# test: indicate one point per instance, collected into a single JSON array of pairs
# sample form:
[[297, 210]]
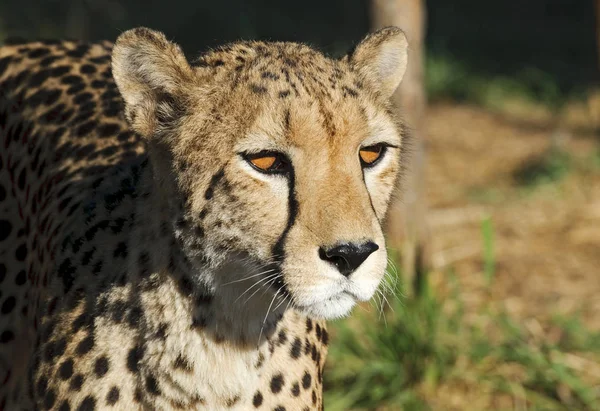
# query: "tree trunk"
[[407, 227], [598, 31]]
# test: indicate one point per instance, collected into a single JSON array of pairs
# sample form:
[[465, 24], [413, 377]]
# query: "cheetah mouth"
[[337, 306]]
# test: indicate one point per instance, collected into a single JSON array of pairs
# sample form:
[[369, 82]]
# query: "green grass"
[[426, 342]]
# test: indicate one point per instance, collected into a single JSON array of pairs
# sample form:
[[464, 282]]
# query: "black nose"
[[348, 257]]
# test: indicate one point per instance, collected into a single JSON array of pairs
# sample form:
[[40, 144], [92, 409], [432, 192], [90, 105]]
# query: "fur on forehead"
[[158, 83]]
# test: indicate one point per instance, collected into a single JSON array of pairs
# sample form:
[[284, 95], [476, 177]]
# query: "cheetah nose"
[[348, 257]]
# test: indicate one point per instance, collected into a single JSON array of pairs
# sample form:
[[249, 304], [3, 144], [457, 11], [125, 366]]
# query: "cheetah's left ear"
[[152, 75], [382, 58]]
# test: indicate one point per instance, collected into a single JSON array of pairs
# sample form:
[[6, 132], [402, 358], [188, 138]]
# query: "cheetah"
[[174, 233]]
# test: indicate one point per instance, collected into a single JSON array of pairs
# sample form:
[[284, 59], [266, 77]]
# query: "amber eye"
[[268, 161], [371, 154]]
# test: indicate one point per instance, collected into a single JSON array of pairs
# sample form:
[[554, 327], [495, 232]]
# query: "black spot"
[[51, 97], [49, 351], [42, 386], [182, 363], [325, 337], [7, 336], [277, 383], [21, 278], [87, 69], [65, 371], [284, 93], [86, 128], [282, 337], [78, 52], [67, 270], [152, 385], [185, 285], [257, 400], [22, 179], [39, 52], [138, 395], [83, 98], [318, 331], [269, 75], [134, 357], [258, 89], [85, 345], [296, 349], [349, 92], [279, 408], [59, 71], [21, 252], [296, 389], [108, 130], [97, 84], [4, 62], [232, 401], [134, 316], [76, 88], [261, 359], [38, 78], [83, 320], [76, 382], [65, 406], [72, 79], [5, 229], [314, 397], [161, 333], [113, 396], [8, 305], [306, 380], [49, 399], [88, 404], [101, 367]]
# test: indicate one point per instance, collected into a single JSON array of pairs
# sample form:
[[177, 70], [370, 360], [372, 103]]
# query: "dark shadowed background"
[[509, 315]]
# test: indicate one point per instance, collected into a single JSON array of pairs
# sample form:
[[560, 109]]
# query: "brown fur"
[[147, 264]]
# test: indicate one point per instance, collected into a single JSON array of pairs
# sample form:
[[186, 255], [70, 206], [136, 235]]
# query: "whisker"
[[262, 280], [267, 284], [250, 276], [266, 316]]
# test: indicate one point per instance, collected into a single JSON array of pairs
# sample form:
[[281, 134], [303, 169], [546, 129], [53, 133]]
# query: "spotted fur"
[[144, 262]]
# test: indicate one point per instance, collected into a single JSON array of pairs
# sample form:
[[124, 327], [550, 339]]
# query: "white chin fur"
[[336, 307]]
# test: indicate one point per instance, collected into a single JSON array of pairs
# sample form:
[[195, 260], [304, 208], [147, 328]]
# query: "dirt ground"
[[547, 237]]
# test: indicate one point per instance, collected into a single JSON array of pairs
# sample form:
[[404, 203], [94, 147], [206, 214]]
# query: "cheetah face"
[[285, 160]]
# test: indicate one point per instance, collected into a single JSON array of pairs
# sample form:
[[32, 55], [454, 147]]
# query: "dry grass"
[[528, 339], [547, 237]]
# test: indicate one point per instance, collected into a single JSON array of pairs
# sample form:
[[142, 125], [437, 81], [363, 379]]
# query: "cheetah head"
[[278, 163]]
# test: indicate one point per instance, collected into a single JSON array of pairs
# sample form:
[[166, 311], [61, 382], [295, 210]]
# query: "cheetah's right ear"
[[382, 58], [152, 75]]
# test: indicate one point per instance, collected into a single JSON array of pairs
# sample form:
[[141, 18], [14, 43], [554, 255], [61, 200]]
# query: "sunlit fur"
[[282, 97]]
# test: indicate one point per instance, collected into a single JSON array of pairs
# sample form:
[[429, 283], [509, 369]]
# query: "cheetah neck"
[[194, 331], [223, 302]]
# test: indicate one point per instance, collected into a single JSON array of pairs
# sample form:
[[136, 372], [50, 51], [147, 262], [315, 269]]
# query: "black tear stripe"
[[278, 249], [370, 198]]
